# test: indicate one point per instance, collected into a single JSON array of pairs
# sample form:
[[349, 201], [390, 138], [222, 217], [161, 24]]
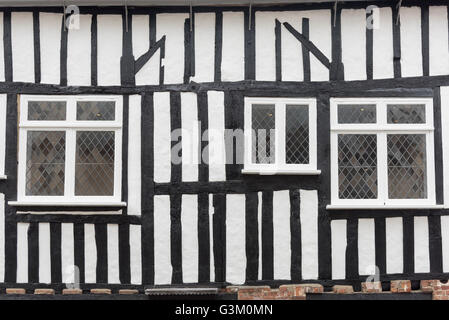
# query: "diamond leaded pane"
[[407, 166], [297, 134], [263, 125], [355, 113], [95, 110], [402, 113], [46, 110], [94, 168], [357, 166], [45, 166]]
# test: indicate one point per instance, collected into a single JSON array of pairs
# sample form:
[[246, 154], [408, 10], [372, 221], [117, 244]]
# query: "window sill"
[[65, 204], [264, 172], [3, 177], [384, 207]]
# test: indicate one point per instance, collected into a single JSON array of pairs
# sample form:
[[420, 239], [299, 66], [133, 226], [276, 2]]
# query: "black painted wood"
[[7, 45], [94, 51], [380, 244], [176, 238], [78, 231], [101, 240], [295, 231], [147, 189], [408, 229], [11, 189], [369, 44], [352, 256], [63, 53], [219, 237], [37, 47], [218, 45], [33, 253], [305, 52], [435, 245], [204, 238], [55, 249], [425, 39], [278, 49], [396, 42], [252, 236], [267, 236], [438, 147]]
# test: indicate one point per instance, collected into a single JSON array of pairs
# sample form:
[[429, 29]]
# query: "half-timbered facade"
[[355, 181]]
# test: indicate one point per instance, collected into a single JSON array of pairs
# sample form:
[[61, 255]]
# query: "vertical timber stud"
[[396, 40], [278, 49], [124, 248], [203, 198], [63, 54], [324, 228], [336, 68], [37, 47], [127, 60], [218, 45], [11, 190], [425, 39], [147, 164], [369, 43], [250, 44], [94, 52], [7, 45]]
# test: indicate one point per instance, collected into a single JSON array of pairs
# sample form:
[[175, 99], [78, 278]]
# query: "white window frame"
[[280, 167], [381, 128], [70, 126]]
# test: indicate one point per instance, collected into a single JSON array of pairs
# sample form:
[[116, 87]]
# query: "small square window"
[[282, 136]]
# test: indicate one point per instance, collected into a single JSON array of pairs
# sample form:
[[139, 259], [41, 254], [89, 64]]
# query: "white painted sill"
[[282, 172], [65, 204], [384, 207], [3, 177]]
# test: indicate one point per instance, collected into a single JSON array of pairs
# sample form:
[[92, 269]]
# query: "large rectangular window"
[[280, 136], [70, 150], [382, 152]]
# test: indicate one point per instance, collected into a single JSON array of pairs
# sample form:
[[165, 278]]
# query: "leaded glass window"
[[382, 152], [70, 149], [282, 136]]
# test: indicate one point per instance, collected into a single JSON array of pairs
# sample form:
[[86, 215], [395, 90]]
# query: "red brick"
[[312, 287], [372, 287], [15, 291], [44, 291], [72, 291], [293, 290], [100, 291], [401, 286], [128, 291], [342, 289]]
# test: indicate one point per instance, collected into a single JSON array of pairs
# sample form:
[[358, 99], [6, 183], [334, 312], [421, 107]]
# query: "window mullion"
[[280, 133], [382, 169], [70, 163]]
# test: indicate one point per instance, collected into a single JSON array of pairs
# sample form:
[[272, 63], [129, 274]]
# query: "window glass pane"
[[47, 110], [407, 166], [357, 166], [45, 166], [355, 113], [297, 134], [263, 125], [94, 171], [95, 110], [402, 113]]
